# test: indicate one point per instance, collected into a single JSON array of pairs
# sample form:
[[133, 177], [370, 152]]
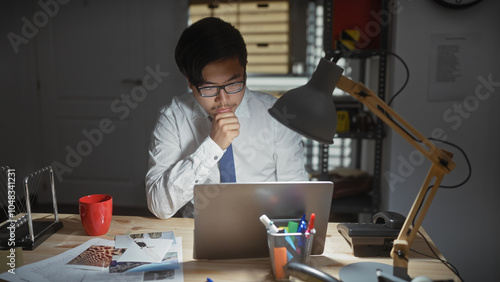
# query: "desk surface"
[[337, 251]]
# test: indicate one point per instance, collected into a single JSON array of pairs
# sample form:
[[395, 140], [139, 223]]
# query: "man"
[[220, 115]]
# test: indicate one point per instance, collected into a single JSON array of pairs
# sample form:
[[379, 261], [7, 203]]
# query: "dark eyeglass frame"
[[223, 87]]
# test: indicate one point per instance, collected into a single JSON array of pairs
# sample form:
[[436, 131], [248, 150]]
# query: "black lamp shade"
[[309, 109]]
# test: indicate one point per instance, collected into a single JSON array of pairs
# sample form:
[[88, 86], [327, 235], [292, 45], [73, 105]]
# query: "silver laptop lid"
[[226, 216]]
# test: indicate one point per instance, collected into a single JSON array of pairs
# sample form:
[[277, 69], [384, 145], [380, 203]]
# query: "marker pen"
[[268, 224], [311, 222]]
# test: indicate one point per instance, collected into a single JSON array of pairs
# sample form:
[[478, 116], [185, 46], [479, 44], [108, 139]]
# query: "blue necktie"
[[226, 166]]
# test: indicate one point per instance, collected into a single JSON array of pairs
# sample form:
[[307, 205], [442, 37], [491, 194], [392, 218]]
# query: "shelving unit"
[[366, 203], [265, 26]]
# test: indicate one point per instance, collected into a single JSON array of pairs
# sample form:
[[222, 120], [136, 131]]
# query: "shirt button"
[[216, 157], [196, 181]]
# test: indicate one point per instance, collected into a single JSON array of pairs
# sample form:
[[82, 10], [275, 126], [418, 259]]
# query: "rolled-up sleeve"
[[171, 175]]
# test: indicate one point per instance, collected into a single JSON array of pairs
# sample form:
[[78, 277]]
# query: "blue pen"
[[302, 225], [209, 280], [302, 229]]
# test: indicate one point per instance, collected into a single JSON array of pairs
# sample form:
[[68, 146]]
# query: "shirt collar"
[[198, 111], [242, 110]]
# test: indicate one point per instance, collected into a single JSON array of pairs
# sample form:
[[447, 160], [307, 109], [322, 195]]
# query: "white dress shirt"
[[182, 153]]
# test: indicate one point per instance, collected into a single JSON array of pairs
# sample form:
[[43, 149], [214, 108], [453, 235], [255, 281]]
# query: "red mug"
[[96, 212]]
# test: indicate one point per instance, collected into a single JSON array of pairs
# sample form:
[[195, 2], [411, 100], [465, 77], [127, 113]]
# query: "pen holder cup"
[[288, 247]]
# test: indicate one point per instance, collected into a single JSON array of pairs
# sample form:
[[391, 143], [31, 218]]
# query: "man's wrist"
[[213, 150]]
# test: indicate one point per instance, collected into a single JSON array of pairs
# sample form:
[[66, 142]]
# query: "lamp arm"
[[442, 164], [401, 246], [380, 108]]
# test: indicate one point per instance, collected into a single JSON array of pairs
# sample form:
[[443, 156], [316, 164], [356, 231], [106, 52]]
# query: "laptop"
[[226, 215]]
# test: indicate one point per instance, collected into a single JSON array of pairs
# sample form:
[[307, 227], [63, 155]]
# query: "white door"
[[95, 92]]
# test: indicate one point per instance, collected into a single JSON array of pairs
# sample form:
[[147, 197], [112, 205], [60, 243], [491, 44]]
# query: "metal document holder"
[[295, 251], [28, 233]]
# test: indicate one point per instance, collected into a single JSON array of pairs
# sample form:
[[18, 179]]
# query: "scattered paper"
[[56, 268], [144, 247], [94, 258], [90, 262]]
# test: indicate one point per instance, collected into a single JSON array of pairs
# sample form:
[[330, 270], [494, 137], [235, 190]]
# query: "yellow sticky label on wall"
[[342, 121]]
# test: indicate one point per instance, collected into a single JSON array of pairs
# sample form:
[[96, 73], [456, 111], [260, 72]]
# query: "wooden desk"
[[337, 251]]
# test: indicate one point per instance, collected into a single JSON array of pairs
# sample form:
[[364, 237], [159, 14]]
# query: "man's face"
[[221, 73]]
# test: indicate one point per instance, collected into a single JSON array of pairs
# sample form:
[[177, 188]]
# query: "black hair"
[[208, 40]]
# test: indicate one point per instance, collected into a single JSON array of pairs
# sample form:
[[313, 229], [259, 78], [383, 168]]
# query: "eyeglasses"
[[212, 91]]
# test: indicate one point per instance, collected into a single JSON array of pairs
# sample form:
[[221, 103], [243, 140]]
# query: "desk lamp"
[[310, 111]]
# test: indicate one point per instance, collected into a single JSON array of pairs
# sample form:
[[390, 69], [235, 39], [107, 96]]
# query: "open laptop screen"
[[226, 215]]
